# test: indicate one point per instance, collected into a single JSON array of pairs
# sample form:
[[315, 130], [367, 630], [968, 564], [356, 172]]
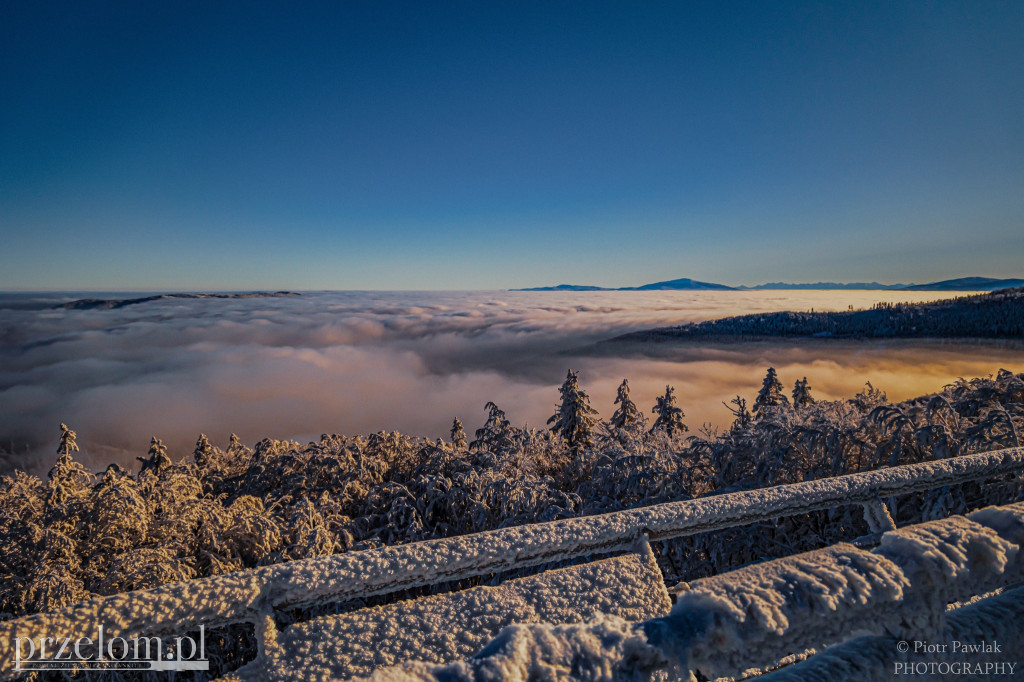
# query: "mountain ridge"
[[968, 284], [687, 284], [992, 315], [681, 284], [825, 286]]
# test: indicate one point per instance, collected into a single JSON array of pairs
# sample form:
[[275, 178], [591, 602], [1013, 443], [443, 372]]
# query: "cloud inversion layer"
[[358, 362]]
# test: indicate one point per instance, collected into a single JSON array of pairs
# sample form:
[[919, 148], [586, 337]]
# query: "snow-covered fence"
[[252, 596], [995, 619], [756, 617]]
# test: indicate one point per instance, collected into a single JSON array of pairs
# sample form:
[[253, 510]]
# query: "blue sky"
[[489, 145]]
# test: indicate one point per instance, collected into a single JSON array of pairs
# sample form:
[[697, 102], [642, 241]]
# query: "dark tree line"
[[995, 315]]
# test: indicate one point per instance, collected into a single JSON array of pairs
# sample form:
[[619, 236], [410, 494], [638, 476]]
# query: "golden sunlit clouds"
[[350, 362]]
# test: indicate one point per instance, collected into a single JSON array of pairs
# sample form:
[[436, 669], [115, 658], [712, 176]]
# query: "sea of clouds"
[[359, 362]]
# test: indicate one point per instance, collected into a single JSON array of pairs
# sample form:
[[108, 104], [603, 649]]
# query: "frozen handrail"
[[754, 618], [995, 619], [248, 596]]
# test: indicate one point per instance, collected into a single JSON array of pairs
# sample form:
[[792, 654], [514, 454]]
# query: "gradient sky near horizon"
[[384, 145]]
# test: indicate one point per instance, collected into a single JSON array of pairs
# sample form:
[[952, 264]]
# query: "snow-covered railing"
[[252, 596], [995, 620], [872, 612]]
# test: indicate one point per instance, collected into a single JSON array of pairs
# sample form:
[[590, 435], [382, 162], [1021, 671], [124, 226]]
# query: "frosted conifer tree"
[[308, 532], [802, 394], [575, 418], [741, 413], [156, 459], [203, 451], [68, 441], [117, 523], [496, 433], [67, 478], [627, 416], [670, 417], [869, 398], [458, 435], [771, 393], [52, 580]]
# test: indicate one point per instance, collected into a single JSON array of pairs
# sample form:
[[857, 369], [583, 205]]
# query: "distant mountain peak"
[[968, 284], [566, 287], [687, 284], [681, 284]]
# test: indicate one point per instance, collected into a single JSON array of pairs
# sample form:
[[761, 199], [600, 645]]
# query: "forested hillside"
[[996, 315], [219, 510]]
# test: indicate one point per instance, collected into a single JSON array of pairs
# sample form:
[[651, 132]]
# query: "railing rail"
[[249, 596], [894, 598]]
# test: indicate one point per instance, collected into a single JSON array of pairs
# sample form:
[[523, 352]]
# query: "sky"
[[487, 145]]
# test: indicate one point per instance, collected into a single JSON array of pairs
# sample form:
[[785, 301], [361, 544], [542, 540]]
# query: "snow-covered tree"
[[869, 398], [670, 416], [458, 435], [627, 416], [802, 394], [144, 568], [308, 532], [53, 582], [497, 432], [68, 441], [67, 480], [771, 393], [117, 523], [740, 412], [52, 577], [202, 452], [574, 418], [119, 518], [156, 460]]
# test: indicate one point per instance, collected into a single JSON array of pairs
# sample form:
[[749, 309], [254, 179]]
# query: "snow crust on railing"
[[452, 626], [249, 596], [995, 619], [901, 587], [752, 618]]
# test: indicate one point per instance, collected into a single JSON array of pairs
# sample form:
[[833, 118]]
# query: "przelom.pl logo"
[[103, 652]]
